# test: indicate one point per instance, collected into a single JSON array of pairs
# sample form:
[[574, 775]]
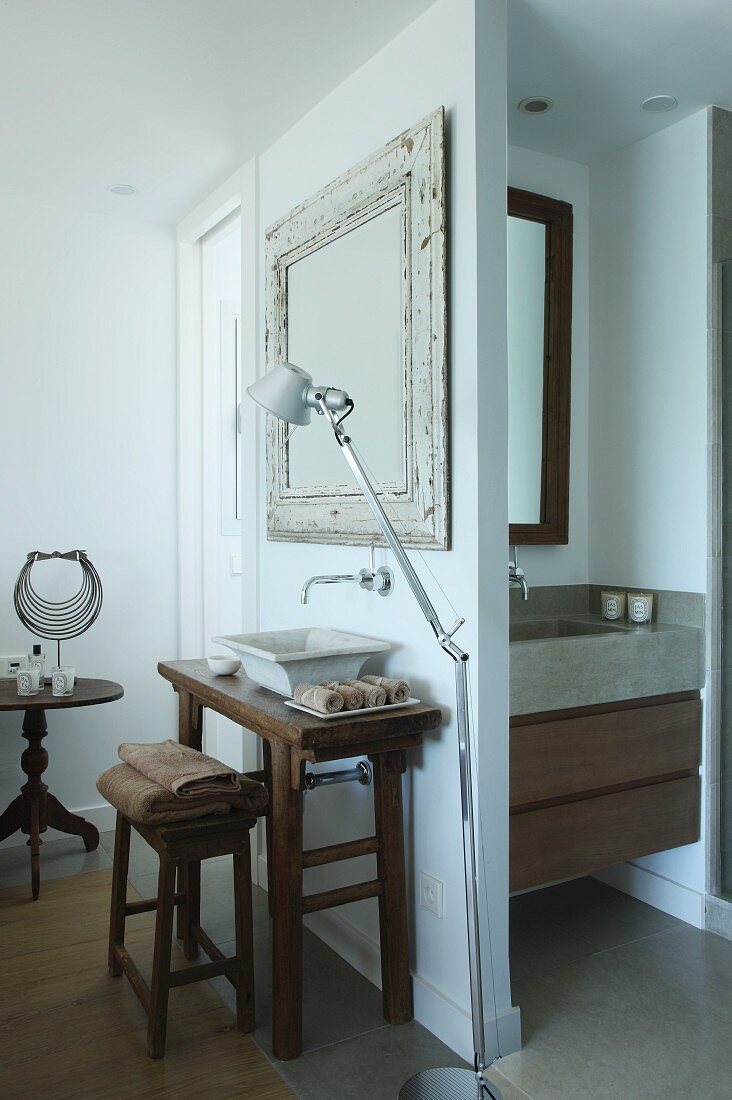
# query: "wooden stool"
[[181, 846]]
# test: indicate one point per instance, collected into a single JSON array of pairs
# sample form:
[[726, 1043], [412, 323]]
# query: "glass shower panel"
[[726, 776]]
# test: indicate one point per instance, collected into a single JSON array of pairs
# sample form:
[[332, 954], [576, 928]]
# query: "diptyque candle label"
[[613, 605], [640, 607]]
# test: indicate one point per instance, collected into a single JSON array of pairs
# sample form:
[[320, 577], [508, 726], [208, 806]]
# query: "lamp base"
[[448, 1084]]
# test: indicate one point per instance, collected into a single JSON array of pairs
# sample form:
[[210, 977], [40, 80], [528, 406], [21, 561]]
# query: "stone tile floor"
[[618, 1000]]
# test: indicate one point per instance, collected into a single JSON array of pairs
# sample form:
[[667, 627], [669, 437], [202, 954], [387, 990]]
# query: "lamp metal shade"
[[281, 391]]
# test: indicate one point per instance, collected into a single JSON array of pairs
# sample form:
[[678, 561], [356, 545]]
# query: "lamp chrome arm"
[[444, 638]]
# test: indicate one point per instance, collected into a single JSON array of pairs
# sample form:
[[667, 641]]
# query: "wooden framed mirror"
[[539, 367], [355, 294]]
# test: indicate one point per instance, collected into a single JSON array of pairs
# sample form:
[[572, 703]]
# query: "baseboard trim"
[[103, 817], [662, 893], [438, 1013]]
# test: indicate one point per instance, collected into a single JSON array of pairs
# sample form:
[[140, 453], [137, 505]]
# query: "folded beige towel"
[[321, 699], [183, 771], [397, 691], [140, 799], [373, 695], [352, 697]]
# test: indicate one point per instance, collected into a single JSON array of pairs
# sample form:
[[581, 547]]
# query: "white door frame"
[[239, 192], [195, 588]]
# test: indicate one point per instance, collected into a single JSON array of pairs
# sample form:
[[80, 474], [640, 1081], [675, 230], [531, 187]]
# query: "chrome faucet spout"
[[328, 578], [379, 580], [520, 582], [516, 576]]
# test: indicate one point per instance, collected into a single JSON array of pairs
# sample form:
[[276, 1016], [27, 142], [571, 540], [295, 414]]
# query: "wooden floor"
[[69, 1030]]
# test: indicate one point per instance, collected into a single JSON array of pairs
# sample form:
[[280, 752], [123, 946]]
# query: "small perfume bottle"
[[37, 660]]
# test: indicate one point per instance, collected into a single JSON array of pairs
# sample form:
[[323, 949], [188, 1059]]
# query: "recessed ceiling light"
[[536, 105], [657, 104], [123, 189]]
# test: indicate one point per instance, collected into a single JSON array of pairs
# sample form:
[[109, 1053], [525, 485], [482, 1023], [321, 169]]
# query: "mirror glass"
[[526, 328], [539, 278], [345, 317]]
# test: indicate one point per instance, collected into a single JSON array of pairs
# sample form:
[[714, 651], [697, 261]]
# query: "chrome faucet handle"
[[379, 580]]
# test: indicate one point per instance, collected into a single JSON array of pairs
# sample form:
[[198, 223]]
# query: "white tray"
[[349, 713]]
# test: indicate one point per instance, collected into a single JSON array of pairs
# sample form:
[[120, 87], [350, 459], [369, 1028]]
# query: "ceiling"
[[170, 96], [597, 59]]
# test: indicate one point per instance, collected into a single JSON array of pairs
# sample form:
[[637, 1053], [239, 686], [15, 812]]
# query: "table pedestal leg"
[[11, 819], [58, 817], [34, 810], [34, 762]]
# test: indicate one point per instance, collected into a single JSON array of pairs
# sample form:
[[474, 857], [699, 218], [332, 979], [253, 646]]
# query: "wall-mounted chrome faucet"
[[516, 575], [379, 580]]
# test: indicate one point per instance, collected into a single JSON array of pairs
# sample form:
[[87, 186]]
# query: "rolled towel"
[[397, 691], [352, 697], [140, 799], [183, 771], [321, 699], [373, 695]]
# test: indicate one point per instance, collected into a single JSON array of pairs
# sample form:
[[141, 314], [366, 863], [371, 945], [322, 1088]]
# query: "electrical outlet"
[[430, 894], [9, 666]]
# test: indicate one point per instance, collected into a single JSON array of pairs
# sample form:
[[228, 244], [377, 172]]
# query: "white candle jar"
[[640, 607], [613, 605], [27, 681]]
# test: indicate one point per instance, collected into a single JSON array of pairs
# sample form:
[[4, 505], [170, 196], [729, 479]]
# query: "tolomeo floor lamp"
[[288, 392]]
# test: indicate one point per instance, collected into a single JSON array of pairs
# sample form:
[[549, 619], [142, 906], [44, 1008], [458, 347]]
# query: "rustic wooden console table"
[[292, 739]]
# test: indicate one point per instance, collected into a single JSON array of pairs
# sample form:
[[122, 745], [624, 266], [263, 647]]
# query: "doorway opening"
[[221, 459]]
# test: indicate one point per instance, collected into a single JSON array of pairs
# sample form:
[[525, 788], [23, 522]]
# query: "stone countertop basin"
[[566, 661], [282, 659]]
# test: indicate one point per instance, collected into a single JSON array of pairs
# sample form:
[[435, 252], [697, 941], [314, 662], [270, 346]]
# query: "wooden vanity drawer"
[[576, 754], [577, 837]]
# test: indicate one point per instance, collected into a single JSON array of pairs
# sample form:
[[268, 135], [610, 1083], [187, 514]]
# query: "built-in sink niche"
[[564, 655], [605, 731]]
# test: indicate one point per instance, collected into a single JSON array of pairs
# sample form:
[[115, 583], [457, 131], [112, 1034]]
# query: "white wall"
[[569, 182], [432, 62], [87, 442], [648, 401], [648, 377]]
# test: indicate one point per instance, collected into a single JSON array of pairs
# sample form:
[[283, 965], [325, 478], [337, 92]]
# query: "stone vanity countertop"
[[601, 663]]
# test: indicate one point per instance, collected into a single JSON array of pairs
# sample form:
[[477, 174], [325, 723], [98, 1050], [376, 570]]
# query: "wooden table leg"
[[12, 818], [244, 938], [190, 721], [286, 876], [34, 762], [396, 983], [267, 763], [190, 732], [58, 817]]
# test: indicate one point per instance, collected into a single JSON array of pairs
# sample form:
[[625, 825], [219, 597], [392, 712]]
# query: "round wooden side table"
[[34, 810]]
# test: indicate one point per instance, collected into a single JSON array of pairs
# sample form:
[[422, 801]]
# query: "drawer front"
[[572, 757], [577, 837]]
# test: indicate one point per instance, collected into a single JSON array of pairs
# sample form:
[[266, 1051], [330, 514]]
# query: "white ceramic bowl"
[[223, 666]]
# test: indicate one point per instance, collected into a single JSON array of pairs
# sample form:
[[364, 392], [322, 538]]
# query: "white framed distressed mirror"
[[355, 295]]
